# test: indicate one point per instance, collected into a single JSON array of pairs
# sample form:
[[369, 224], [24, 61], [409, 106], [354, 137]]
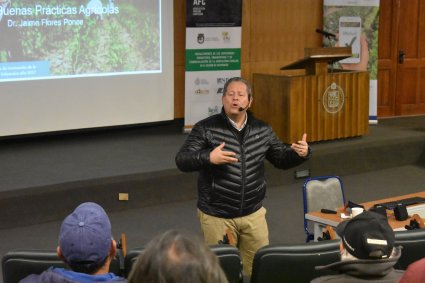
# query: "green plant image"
[[125, 39]]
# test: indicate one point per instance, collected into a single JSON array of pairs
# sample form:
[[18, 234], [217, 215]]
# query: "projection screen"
[[78, 64]]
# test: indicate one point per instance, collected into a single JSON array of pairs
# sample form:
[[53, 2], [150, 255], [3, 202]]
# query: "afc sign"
[[199, 2]]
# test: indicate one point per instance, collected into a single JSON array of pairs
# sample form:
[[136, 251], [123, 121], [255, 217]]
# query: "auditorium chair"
[[228, 257], [130, 259], [413, 243], [293, 262], [230, 261], [18, 264], [321, 192]]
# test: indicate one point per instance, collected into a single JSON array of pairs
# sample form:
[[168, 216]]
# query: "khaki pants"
[[249, 232]]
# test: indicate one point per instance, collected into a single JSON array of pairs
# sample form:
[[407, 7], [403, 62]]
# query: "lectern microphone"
[[325, 33]]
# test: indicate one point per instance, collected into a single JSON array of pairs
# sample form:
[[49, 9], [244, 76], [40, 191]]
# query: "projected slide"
[[47, 39]]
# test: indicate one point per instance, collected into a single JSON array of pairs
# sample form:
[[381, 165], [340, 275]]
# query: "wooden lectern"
[[324, 103]]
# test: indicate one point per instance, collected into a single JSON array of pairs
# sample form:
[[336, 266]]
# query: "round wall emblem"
[[201, 38], [333, 98]]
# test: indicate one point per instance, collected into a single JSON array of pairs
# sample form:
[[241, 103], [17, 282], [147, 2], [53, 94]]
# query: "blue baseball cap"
[[85, 235]]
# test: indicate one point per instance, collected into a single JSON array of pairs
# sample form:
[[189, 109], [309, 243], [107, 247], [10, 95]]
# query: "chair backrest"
[[293, 263], [18, 264], [322, 192], [230, 261], [413, 242], [130, 259]]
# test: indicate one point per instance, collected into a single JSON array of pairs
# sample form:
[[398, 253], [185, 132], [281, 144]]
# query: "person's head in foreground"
[[86, 245], [366, 236], [367, 251], [85, 239], [174, 257]]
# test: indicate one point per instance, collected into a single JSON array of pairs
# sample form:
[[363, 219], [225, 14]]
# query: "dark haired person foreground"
[[174, 257], [228, 150], [86, 245], [367, 251]]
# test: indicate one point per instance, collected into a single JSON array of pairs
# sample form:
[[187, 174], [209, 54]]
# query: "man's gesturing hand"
[[218, 156], [301, 147]]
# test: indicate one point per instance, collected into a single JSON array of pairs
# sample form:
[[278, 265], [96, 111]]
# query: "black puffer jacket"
[[237, 189]]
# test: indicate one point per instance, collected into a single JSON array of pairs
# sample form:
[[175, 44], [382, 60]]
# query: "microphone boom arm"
[[325, 33]]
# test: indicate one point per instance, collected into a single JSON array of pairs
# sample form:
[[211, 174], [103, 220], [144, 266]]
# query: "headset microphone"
[[242, 109]]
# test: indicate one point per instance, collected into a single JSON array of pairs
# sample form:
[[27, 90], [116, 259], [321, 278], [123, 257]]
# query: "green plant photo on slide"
[[75, 37]]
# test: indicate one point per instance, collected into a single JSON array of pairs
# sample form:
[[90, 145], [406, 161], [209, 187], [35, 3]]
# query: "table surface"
[[334, 219]]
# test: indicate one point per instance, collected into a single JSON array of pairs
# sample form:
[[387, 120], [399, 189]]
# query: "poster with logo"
[[213, 54], [355, 23]]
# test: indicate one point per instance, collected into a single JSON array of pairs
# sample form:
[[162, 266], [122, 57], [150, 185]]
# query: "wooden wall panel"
[[384, 77], [179, 73], [385, 39], [387, 53], [279, 31], [410, 36], [179, 56], [246, 34], [179, 32], [408, 79], [422, 85], [421, 37], [408, 19], [421, 55]]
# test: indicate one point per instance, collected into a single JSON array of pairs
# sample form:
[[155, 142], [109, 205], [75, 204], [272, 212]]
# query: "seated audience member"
[[367, 251], [177, 258], [415, 272], [86, 245]]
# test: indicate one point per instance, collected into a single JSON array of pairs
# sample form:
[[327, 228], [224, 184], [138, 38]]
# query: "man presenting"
[[228, 150]]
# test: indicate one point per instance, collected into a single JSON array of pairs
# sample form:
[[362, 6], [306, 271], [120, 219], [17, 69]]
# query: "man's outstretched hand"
[[301, 147]]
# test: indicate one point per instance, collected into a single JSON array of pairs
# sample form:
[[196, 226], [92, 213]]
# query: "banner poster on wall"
[[213, 55], [355, 23]]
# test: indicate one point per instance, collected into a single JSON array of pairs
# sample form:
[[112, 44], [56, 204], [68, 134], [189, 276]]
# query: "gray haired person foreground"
[[174, 257]]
